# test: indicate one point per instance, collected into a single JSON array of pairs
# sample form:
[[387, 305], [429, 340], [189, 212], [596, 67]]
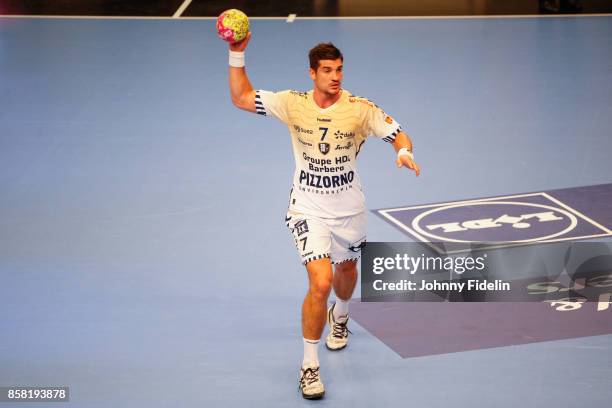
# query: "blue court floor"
[[143, 254]]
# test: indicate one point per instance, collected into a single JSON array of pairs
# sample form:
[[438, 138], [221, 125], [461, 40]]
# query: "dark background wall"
[[304, 7]]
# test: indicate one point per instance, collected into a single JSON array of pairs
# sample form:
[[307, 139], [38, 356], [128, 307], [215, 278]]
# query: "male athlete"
[[326, 212]]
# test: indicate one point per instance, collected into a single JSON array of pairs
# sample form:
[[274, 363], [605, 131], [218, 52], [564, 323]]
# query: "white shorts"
[[339, 239]]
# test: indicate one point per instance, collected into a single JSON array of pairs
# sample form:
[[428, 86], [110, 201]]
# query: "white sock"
[[311, 355], [341, 308]]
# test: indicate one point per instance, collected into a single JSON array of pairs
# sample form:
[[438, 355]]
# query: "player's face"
[[328, 76]]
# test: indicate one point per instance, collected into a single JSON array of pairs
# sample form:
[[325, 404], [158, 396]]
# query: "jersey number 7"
[[324, 130]]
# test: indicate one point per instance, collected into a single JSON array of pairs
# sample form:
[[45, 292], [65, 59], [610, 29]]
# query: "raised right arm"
[[241, 90]]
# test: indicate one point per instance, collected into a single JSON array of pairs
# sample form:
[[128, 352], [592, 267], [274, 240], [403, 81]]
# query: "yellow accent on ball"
[[238, 22]]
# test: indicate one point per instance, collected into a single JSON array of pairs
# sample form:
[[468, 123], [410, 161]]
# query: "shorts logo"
[[524, 219], [324, 147], [301, 228], [358, 245]]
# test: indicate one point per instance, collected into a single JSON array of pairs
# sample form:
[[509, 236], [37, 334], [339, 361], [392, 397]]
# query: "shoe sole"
[[335, 349], [314, 396]]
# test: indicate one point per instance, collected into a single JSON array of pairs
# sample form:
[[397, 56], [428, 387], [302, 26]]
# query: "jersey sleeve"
[[273, 104], [381, 125]]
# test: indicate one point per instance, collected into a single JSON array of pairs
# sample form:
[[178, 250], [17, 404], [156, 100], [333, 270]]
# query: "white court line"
[[181, 9], [494, 245], [36, 16], [386, 214], [454, 17], [530, 243], [401, 225], [417, 207], [291, 18], [578, 213], [519, 16]]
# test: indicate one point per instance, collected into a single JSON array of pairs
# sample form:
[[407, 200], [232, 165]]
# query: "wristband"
[[405, 152], [236, 59]]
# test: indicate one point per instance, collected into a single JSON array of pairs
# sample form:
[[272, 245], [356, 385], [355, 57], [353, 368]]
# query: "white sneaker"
[[337, 339], [310, 382]]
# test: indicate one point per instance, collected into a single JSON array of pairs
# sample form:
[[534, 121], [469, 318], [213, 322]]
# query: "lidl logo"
[[523, 219], [497, 221]]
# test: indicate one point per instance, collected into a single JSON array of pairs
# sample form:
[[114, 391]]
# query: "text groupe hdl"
[[405, 285]]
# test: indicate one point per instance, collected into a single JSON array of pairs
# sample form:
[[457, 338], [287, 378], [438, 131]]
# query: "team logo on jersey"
[[305, 143], [389, 120], [324, 147], [519, 219], [300, 129], [361, 100], [347, 146], [300, 94], [338, 134]]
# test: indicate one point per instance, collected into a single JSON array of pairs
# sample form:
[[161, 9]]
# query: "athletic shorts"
[[339, 239]]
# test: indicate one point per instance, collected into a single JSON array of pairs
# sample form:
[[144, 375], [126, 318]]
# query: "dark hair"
[[323, 51]]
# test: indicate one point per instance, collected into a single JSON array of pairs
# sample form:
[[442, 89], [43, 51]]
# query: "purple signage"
[[547, 216], [424, 328]]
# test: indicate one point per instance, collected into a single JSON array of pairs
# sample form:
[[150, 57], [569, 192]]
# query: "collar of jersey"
[[330, 107]]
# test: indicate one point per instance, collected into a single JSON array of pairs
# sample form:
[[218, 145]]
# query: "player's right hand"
[[241, 45]]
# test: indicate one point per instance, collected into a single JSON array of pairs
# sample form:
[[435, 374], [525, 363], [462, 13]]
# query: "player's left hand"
[[405, 160]]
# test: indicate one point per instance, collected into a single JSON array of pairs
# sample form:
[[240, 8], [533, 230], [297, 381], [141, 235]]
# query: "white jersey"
[[326, 143]]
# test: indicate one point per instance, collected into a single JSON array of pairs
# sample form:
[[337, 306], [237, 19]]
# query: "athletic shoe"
[[337, 338], [310, 382]]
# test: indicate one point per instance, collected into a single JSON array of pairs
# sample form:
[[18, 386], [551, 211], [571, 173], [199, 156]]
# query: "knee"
[[321, 287]]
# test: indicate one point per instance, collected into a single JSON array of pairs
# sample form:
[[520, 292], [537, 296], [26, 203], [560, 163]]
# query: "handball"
[[233, 25]]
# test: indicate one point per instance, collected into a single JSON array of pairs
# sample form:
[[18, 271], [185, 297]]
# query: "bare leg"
[[345, 279], [314, 308]]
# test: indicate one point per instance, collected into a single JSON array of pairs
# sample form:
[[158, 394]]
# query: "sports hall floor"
[[143, 254]]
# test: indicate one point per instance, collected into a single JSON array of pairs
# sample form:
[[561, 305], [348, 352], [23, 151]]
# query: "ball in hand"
[[232, 25]]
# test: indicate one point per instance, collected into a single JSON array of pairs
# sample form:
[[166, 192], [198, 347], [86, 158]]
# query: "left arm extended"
[[403, 141]]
